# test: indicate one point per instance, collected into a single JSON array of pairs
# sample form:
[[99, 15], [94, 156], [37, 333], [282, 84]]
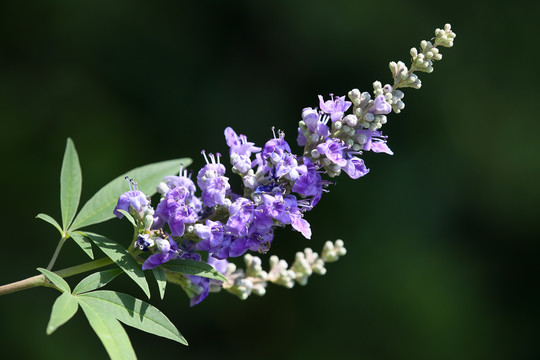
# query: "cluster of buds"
[[253, 280]]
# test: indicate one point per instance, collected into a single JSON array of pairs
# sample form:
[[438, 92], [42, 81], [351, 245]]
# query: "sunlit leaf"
[[51, 221], [70, 184], [192, 267], [56, 280], [161, 280], [96, 281], [83, 242], [110, 332], [122, 258], [133, 312], [63, 309], [100, 207]]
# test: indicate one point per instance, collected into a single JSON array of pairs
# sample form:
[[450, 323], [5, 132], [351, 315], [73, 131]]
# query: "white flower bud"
[[350, 120], [162, 188], [354, 94], [338, 124], [250, 181]]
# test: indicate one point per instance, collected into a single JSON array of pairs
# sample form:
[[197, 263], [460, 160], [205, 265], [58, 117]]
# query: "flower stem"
[[39, 280]]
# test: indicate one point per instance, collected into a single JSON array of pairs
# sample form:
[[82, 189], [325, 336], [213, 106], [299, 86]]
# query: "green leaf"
[[110, 332], [70, 184], [56, 280], [100, 207], [51, 221], [63, 309], [192, 267], [129, 217], [122, 258], [133, 312], [83, 242], [95, 281], [161, 280]]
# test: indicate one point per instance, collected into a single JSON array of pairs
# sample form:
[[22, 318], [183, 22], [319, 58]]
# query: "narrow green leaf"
[[63, 309], [70, 184], [96, 281], [56, 280], [129, 217], [122, 258], [161, 280], [83, 242], [110, 332], [100, 207], [51, 221], [192, 267], [133, 312]]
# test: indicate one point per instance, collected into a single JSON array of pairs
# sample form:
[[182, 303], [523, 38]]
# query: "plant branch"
[[40, 280]]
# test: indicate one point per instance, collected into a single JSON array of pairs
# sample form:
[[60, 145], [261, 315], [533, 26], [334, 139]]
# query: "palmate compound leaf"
[[122, 258], [132, 312], [191, 267], [70, 184], [100, 207], [109, 330], [96, 281], [63, 309]]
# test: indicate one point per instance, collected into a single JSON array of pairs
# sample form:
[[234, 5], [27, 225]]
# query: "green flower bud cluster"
[[403, 77], [253, 280], [423, 60]]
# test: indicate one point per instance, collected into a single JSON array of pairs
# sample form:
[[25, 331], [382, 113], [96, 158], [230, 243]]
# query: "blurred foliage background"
[[442, 260]]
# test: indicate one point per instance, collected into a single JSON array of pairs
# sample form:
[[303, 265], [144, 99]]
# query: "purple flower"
[[242, 215], [203, 287], [173, 198], [213, 165], [355, 168], [380, 106], [274, 149], [239, 144], [301, 138], [309, 183], [182, 215], [373, 140], [168, 250], [211, 236], [134, 200], [315, 123], [212, 182], [182, 180], [333, 150], [143, 242], [336, 108]]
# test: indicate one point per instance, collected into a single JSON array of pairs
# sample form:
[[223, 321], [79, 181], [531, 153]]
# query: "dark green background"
[[442, 256]]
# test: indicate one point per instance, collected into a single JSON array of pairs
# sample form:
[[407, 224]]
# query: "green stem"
[[57, 251], [39, 280]]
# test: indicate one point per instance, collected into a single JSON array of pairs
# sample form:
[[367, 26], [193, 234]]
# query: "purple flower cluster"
[[279, 188]]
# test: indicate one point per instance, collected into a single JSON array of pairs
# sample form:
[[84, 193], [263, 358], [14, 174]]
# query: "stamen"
[[205, 158], [129, 182]]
